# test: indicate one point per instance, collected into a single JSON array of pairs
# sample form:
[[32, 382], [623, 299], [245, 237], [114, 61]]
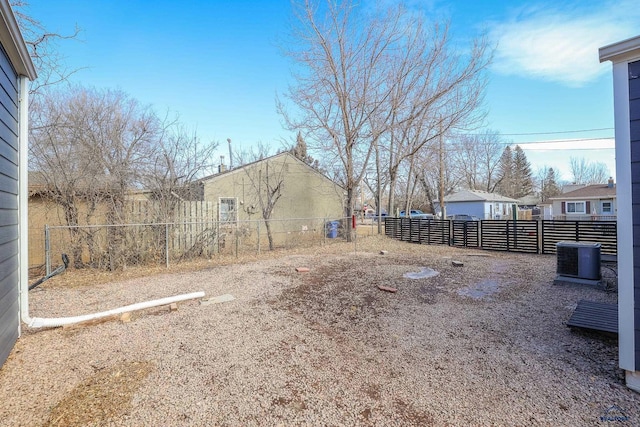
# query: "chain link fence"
[[111, 247]]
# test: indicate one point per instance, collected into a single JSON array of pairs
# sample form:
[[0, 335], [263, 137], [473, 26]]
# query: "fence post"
[[540, 227], [166, 245], [324, 231], [258, 237], [355, 241], [47, 250], [464, 229]]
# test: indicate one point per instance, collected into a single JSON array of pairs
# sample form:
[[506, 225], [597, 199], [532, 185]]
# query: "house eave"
[[603, 197], [620, 51], [14, 44]]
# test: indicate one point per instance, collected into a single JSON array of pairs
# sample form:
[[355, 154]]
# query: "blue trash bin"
[[332, 229]]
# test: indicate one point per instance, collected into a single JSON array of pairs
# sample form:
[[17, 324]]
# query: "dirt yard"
[[481, 344]]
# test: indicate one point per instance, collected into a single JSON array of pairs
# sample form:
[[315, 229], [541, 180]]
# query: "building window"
[[607, 208], [576, 207], [227, 209]]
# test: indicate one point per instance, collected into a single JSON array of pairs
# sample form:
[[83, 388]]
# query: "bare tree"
[[266, 179], [477, 158], [67, 167], [436, 175], [586, 172], [387, 81], [43, 48], [89, 147], [435, 92], [342, 85], [179, 158], [92, 147]]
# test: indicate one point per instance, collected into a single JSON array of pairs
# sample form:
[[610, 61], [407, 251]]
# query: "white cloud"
[[561, 45]]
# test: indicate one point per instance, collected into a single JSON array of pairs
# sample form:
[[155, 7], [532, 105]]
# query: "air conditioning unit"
[[578, 262]]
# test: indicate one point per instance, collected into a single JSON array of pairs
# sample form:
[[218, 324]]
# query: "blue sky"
[[217, 64]]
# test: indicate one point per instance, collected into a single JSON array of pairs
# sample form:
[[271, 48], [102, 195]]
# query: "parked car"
[[461, 217], [374, 216], [417, 214]]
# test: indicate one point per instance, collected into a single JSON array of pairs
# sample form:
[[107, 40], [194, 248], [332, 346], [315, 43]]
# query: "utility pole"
[[230, 154], [443, 209]]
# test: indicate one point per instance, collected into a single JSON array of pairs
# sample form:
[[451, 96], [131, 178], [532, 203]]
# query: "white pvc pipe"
[[61, 321], [23, 196], [23, 230]]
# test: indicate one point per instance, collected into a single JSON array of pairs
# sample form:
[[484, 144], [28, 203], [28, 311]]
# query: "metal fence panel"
[[529, 236], [466, 233], [603, 232], [509, 235], [434, 232]]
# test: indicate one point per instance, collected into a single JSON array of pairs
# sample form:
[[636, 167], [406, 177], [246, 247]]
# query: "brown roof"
[[596, 191]]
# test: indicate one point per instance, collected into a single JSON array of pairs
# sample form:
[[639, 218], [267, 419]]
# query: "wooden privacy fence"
[[526, 236]]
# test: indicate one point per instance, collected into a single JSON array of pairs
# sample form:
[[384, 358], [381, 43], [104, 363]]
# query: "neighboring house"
[[571, 187], [481, 204], [546, 210], [16, 70], [597, 201], [242, 193], [93, 207], [625, 57], [530, 201]]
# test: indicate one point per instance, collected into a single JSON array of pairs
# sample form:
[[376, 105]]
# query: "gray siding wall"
[[9, 309], [469, 208], [634, 116]]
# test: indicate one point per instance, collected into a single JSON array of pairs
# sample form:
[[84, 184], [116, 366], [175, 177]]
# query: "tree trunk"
[[267, 224], [71, 216], [349, 211]]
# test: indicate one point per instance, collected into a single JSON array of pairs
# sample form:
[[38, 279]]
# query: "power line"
[[556, 141], [556, 133]]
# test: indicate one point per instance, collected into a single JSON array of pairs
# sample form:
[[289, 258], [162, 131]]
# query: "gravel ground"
[[482, 344]]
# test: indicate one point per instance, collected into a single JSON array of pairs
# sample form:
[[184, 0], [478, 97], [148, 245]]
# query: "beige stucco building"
[[302, 191]]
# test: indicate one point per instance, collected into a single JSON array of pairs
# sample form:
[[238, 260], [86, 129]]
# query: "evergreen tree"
[[516, 178], [550, 187], [505, 172], [523, 178], [300, 151]]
